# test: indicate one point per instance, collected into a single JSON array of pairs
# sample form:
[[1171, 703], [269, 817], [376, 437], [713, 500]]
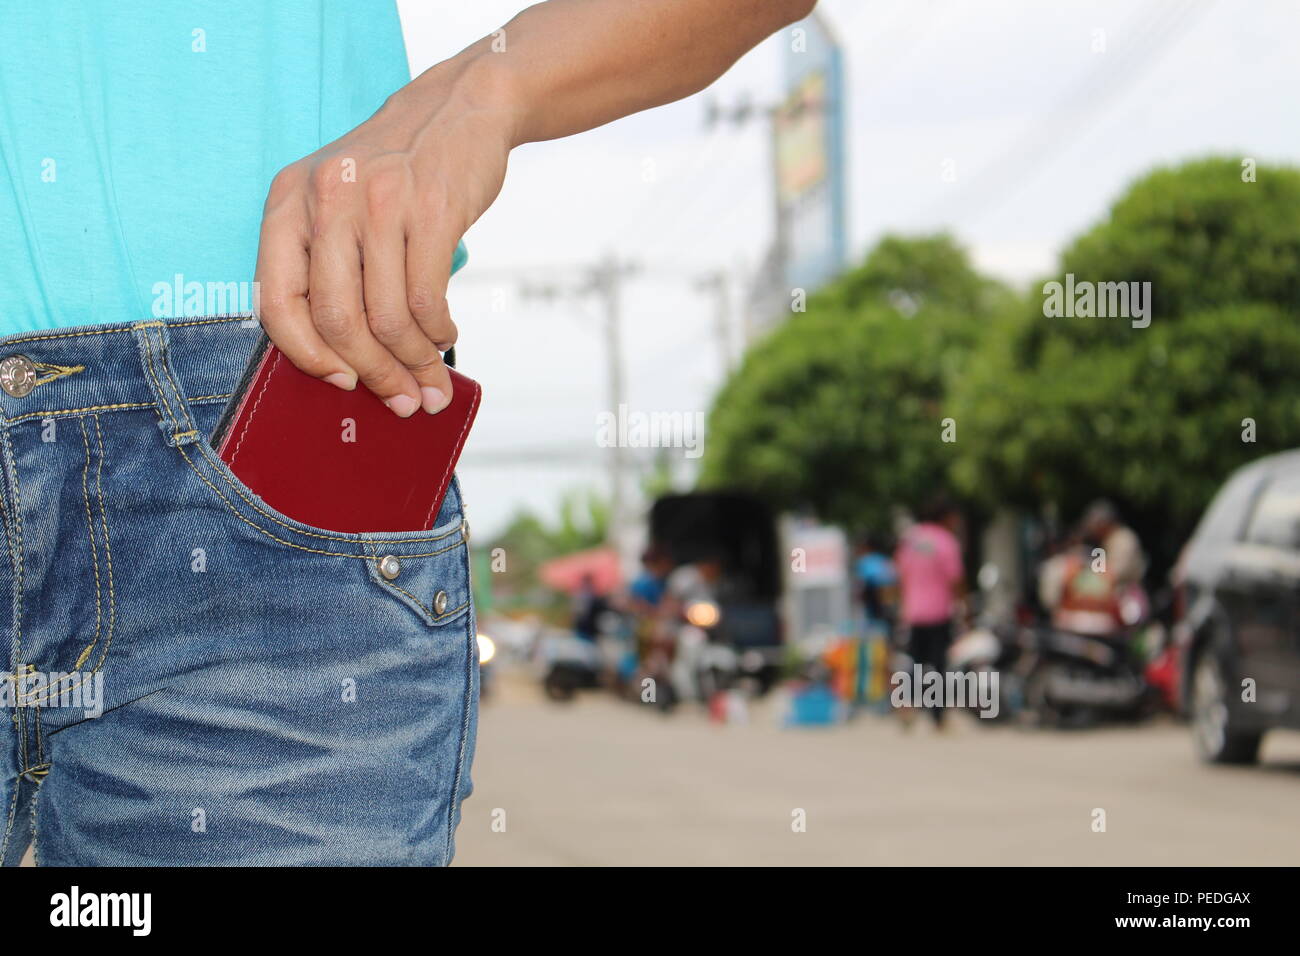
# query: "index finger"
[[283, 269]]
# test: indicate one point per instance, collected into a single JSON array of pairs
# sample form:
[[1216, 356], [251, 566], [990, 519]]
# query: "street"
[[601, 782]]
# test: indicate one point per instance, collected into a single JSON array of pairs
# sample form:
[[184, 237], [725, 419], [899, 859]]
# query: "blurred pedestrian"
[[1101, 527], [1089, 584], [877, 584], [647, 588], [645, 596], [931, 576], [588, 608]]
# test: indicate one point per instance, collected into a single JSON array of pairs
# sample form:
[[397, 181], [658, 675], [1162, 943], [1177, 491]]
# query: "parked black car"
[[1238, 626]]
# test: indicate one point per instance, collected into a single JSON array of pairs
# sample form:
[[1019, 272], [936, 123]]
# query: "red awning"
[[567, 573]]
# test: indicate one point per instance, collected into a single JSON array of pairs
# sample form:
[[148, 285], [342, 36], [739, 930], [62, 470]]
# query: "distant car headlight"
[[703, 613], [487, 649]]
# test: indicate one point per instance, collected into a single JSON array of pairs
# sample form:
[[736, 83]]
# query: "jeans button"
[[464, 530], [390, 567], [440, 602], [17, 375]]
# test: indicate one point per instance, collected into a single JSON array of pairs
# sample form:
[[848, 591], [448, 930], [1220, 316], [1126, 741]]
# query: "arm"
[[572, 65], [398, 191]]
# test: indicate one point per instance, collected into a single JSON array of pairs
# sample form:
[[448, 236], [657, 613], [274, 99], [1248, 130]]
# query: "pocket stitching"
[[94, 552], [336, 554], [16, 549], [220, 469], [108, 558], [433, 618], [204, 450]]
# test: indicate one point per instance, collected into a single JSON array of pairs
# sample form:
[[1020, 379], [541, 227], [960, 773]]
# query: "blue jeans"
[[195, 678]]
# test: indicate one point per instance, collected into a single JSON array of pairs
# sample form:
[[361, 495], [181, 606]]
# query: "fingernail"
[[342, 380], [434, 399], [403, 406]]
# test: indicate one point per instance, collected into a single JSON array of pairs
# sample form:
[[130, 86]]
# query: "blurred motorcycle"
[[995, 644], [707, 662], [572, 663], [1090, 663]]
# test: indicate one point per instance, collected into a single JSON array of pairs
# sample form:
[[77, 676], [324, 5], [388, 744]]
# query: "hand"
[[357, 240]]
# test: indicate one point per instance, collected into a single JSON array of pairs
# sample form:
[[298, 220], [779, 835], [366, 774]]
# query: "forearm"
[[565, 66], [354, 269]]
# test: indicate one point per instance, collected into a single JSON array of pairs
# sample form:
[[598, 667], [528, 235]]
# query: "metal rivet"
[[464, 530], [17, 375], [440, 602], [389, 566]]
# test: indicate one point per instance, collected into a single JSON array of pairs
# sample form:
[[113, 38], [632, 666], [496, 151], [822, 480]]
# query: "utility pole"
[[764, 302], [605, 282], [716, 283]]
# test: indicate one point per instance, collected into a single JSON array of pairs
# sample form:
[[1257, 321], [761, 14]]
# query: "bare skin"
[[357, 238]]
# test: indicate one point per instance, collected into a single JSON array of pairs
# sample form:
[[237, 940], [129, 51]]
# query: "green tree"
[[1065, 409], [1201, 236], [528, 542], [841, 409]]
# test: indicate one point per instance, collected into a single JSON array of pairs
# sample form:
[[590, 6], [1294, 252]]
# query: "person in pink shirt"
[[930, 577]]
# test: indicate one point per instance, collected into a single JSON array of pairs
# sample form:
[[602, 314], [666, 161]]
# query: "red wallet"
[[340, 460]]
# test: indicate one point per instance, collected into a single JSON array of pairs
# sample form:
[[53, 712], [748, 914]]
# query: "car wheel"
[[1214, 730]]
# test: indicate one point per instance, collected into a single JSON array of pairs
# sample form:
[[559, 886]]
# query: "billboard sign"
[[808, 144]]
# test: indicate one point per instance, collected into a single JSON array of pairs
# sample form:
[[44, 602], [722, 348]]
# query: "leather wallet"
[[340, 460]]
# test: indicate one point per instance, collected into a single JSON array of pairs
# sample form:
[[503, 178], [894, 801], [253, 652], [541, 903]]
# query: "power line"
[[1073, 115]]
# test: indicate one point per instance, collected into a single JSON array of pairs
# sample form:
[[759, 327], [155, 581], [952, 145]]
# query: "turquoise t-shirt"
[[138, 139]]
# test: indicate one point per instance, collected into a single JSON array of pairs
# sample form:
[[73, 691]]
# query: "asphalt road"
[[603, 782]]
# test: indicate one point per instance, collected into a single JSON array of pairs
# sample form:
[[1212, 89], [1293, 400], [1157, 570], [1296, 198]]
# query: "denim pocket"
[[248, 507], [426, 570], [438, 588]]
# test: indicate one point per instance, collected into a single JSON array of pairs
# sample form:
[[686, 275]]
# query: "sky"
[[1041, 113]]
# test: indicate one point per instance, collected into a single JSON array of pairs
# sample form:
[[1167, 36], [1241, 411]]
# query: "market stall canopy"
[[567, 573]]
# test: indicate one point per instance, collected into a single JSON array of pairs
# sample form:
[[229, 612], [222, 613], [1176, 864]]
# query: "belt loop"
[[173, 411]]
